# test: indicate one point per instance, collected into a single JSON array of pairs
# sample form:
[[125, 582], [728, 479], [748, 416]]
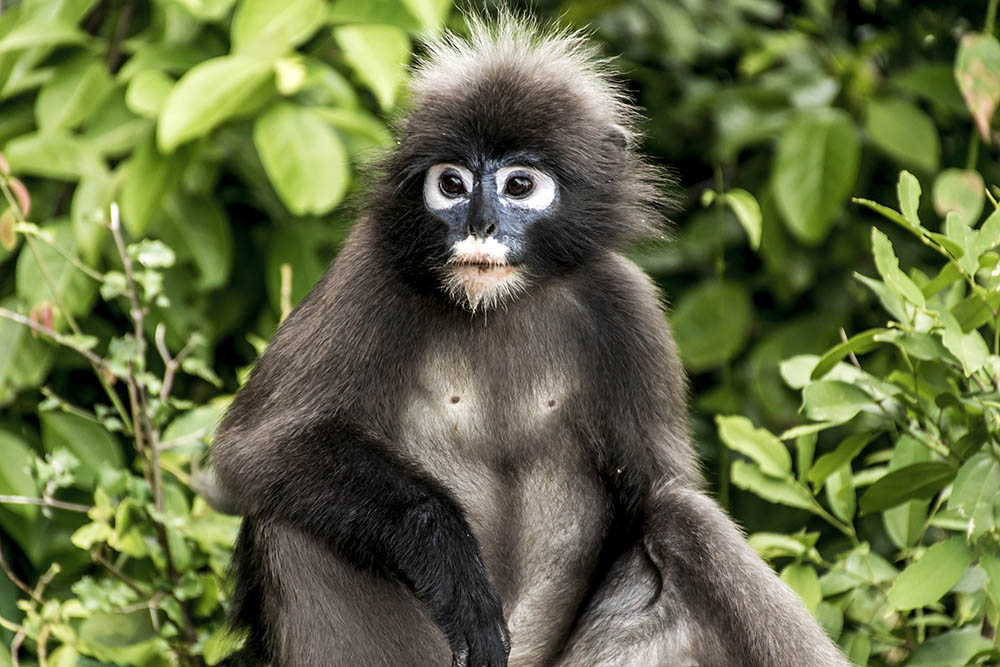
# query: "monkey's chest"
[[503, 443]]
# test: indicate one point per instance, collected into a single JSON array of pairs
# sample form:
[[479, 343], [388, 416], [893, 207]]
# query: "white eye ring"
[[437, 200], [541, 195]]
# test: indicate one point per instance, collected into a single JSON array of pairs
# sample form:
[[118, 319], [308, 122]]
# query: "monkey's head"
[[513, 165]]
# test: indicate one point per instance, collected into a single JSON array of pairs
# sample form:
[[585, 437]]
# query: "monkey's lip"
[[481, 264]]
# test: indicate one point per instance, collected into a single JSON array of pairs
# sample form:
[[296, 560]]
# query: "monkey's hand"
[[481, 646], [476, 630]]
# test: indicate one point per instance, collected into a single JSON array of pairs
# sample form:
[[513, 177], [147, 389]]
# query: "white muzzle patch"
[[479, 275]]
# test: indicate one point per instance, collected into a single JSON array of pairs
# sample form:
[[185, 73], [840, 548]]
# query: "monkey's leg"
[[695, 593], [309, 607], [382, 516]]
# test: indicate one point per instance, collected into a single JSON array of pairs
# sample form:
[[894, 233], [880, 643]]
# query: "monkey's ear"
[[618, 138]]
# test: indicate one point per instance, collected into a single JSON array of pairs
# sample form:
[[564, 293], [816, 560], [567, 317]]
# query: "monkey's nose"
[[489, 230]]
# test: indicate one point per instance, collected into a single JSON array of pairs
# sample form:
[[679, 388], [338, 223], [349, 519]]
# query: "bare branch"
[[44, 502]]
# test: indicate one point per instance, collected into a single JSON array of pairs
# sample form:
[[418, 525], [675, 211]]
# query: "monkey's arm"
[[378, 513]]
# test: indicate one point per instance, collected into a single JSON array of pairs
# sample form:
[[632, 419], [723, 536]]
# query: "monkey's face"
[[488, 211]]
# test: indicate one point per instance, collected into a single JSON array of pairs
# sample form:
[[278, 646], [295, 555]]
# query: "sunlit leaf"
[[303, 157], [926, 580]]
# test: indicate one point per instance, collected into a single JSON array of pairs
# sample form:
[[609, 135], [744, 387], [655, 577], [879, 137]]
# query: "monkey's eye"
[[451, 184], [525, 187], [519, 186]]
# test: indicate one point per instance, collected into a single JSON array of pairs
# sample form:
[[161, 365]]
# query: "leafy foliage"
[[228, 133]]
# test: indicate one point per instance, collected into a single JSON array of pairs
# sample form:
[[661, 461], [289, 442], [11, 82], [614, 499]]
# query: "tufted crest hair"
[[515, 87]]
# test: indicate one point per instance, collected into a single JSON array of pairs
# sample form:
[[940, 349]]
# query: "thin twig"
[[14, 578], [44, 502], [118, 574], [54, 335]]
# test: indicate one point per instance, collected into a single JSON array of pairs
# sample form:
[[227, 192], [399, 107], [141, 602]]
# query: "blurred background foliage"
[[231, 135]]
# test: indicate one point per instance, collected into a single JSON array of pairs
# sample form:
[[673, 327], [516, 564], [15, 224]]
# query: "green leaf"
[[197, 229], [50, 154], [856, 344], [15, 473], [275, 27], [908, 191], [41, 32], [147, 92], [903, 132], [857, 647], [840, 493], [888, 267], [797, 371], [430, 13], [814, 171], [959, 191], [72, 287], [360, 130], [222, 643], [757, 443], [890, 300], [951, 649], [303, 157], [833, 400], [991, 565], [89, 209], [208, 95], [967, 239], [975, 493], [209, 10], [747, 211], [387, 12], [87, 440], [969, 348], [785, 492], [977, 70], [150, 177], [905, 523], [918, 480], [24, 359], [72, 94], [711, 324], [803, 580], [926, 580], [988, 237], [845, 452], [379, 55]]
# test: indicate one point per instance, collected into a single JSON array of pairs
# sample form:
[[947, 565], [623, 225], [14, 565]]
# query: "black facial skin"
[[423, 485], [485, 213]]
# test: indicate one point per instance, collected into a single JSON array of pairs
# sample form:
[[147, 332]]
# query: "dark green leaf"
[[975, 493], [711, 324], [904, 133], [149, 178], [919, 480], [845, 452], [88, 441], [814, 172]]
